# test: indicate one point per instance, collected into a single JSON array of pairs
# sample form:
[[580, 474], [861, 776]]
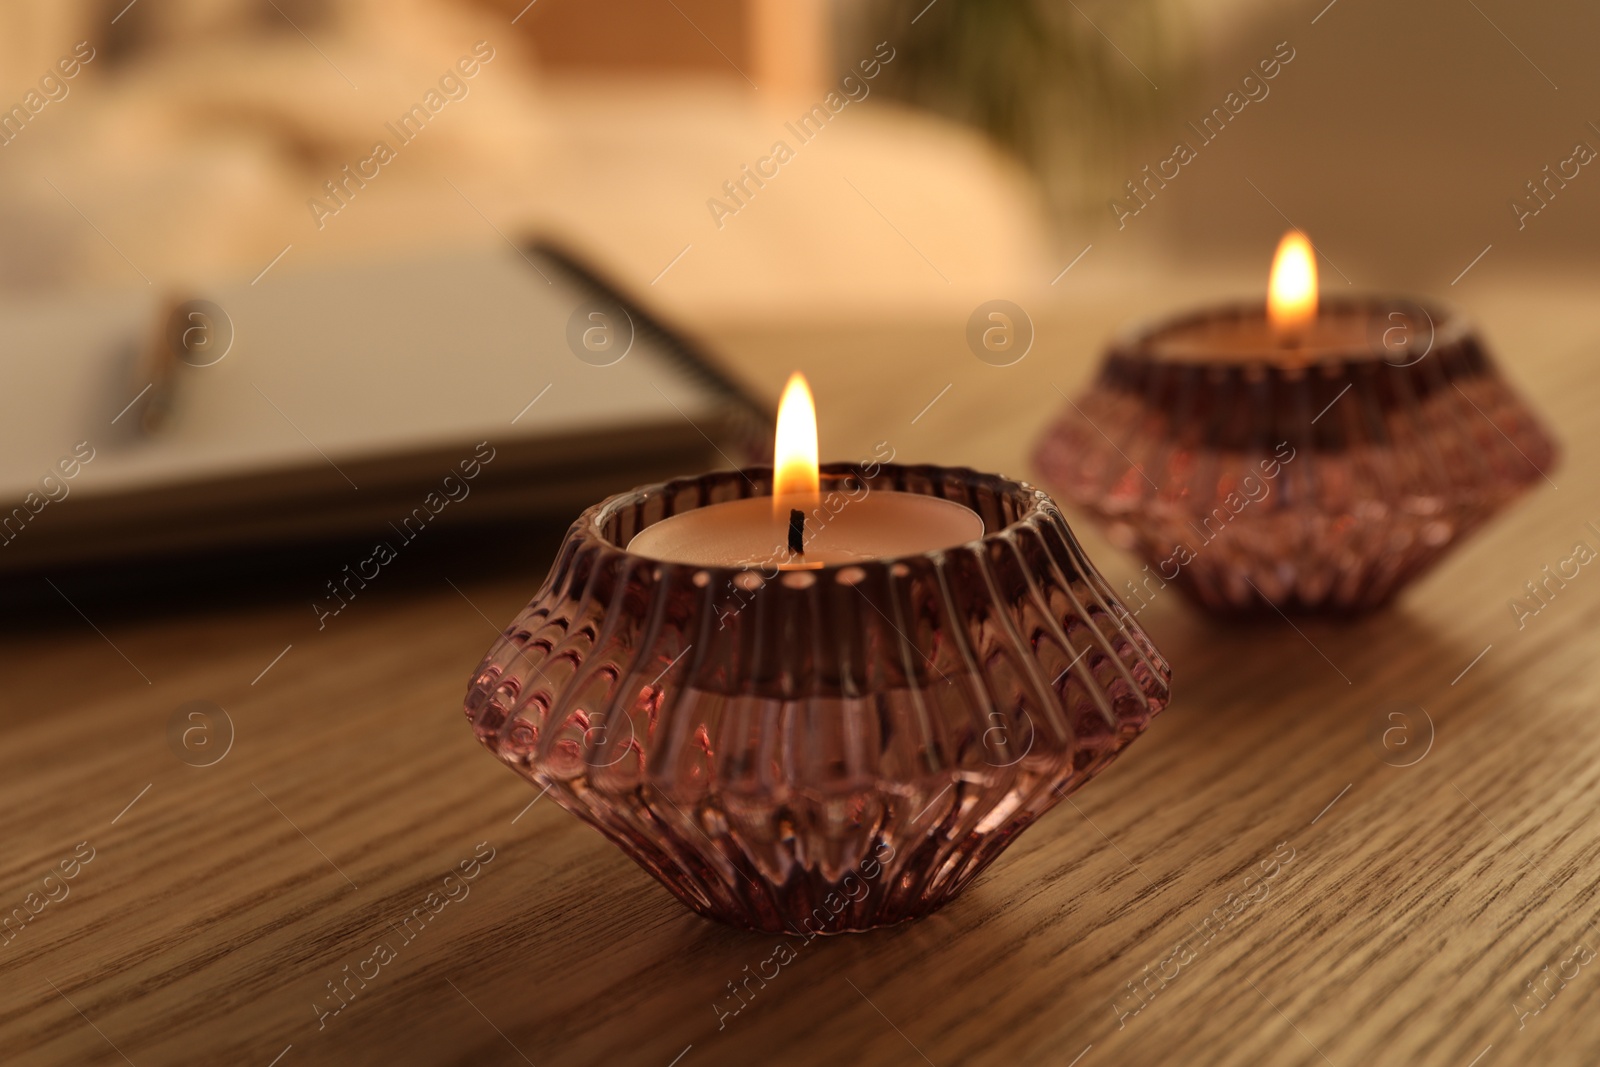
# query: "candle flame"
[[794, 453], [1292, 290]]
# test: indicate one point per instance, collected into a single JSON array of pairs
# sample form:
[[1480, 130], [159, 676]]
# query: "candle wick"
[[797, 531]]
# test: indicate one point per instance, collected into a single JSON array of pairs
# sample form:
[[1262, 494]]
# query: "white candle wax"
[[755, 531]]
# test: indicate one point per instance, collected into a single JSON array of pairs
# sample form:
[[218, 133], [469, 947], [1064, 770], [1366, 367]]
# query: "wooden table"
[[221, 901]]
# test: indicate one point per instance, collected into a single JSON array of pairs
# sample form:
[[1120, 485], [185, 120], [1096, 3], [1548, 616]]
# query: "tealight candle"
[[791, 529], [1296, 327], [1305, 454], [838, 749]]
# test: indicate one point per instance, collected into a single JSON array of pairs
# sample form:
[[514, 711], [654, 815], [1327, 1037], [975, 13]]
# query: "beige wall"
[[1397, 137]]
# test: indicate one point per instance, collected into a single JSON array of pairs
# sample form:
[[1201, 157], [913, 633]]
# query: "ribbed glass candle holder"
[[1254, 473], [827, 750]]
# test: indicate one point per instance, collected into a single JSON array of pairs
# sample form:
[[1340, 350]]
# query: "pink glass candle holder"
[[1319, 476], [823, 750]]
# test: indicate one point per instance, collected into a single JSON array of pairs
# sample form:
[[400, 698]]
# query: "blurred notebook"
[[345, 399]]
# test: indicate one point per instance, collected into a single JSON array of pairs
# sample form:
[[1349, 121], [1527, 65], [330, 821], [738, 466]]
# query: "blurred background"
[[994, 138], [784, 183]]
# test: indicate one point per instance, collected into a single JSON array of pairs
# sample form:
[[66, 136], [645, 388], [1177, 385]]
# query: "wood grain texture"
[[1418, 901]]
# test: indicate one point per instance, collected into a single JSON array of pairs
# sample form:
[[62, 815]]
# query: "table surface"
[[220, 902]]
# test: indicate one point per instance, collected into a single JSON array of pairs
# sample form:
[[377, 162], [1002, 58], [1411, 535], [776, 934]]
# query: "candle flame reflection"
[[1292, 290], [794, 451]]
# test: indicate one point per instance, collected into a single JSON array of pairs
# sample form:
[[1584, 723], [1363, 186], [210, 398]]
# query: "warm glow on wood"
[[794, 453], [1292, 291]]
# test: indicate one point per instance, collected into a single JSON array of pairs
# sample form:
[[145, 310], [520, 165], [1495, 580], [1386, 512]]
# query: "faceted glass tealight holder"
[[826, 750], [1257, 474]]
